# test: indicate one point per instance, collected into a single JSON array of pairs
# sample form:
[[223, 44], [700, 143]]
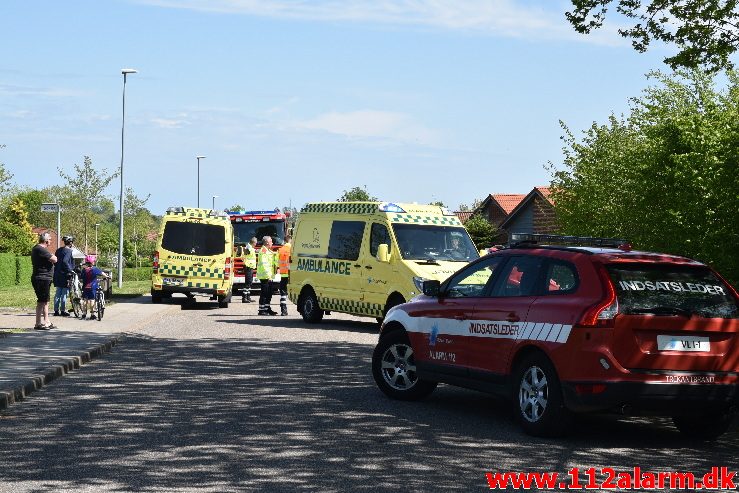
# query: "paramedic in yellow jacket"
[[249, 256], [283, 258], [266, 268]]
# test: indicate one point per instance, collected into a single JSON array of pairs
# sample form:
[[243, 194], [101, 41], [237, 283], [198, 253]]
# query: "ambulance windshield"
[[421, 242], [243, 232]]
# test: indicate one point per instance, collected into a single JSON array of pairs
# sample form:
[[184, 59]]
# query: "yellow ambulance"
[[194, 255], [363, 258]]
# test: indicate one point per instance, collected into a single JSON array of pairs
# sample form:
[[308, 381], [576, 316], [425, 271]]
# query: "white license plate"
[[683, 343], [172, 281]]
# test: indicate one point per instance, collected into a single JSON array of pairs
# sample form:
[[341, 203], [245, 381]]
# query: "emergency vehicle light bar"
[[253, 213], [517, 239], [175, 209], [390, 207]]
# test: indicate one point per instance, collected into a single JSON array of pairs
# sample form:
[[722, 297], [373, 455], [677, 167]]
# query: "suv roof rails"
[[523, 240]]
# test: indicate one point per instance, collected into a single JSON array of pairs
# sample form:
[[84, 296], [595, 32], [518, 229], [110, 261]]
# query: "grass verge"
[[23, 297]]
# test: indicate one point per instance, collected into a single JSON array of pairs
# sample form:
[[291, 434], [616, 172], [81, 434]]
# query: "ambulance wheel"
[[309, 307], [394, 368], [704, 427], [537, 398], [394, 300], [156, 297], [223, 301]]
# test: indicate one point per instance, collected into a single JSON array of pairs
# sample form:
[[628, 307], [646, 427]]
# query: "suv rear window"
[[672, 290], [194, 238]]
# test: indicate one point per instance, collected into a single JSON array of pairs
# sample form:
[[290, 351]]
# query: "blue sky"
[[295, 101]]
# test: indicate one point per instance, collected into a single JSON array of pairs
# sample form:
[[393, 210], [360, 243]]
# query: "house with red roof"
[[517, 213]]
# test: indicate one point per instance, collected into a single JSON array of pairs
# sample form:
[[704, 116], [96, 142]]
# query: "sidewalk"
[[30, 360]]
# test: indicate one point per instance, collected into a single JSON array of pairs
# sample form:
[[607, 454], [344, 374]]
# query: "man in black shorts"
[[43, 272]]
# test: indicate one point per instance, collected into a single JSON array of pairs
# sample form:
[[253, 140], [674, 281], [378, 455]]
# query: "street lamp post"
[[96, 237], [214, 202], [199, 158], [125, 72]]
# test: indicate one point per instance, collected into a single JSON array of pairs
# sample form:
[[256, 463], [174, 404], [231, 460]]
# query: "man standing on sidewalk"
[[284, 265], [62, 270], [43, 270], [266, 263]]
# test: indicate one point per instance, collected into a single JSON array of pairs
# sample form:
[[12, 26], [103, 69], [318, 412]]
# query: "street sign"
[[49, 207]]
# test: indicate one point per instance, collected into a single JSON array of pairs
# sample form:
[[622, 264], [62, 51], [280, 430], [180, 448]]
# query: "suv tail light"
[[155, 263], [604, 312], [227, 269]]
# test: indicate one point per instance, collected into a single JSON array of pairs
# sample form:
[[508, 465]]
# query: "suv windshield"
[[418, 242], [194, 238], [243, 232], [672, 290]]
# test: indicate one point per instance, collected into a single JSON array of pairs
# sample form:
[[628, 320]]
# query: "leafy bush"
[[23, 271], [7, 270]]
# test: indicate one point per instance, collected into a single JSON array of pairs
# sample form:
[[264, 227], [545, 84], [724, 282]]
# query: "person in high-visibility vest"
[[266, 268], [283, 256], [249, 256]]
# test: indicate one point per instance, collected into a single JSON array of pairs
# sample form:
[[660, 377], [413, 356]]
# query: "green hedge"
[[7, 270], [136, 273], [23, 270]]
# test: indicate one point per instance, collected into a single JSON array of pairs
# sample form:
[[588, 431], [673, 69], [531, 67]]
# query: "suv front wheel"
[[538, 403], [394, 368]]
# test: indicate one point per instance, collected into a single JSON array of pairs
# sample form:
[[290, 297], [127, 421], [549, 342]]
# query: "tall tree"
[[706, 32], [87, 186], [18, 234], [357, 194], [664, 177]]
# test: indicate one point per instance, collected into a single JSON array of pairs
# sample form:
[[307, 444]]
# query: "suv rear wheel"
[[394, 368], [538, 404], [704, 427]]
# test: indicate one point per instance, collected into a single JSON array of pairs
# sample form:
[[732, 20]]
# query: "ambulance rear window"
[[194, 238], [663, 289]]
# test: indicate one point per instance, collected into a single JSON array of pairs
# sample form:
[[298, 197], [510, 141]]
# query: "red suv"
[[569, 329]]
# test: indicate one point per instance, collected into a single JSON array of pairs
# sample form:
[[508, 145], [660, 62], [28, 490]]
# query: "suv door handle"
[[357, 265], [368, 267], [512, 317]]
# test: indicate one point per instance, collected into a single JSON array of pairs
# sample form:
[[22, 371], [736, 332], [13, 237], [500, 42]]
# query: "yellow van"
[[363, 258], [193, 256]]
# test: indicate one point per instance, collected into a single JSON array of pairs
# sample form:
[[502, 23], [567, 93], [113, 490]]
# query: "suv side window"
[[520, 277], [473, 281], [561, 278], [379, 235], [345, 240]]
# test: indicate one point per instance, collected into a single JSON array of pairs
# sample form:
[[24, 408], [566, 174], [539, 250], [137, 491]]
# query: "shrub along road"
[[214, 399]]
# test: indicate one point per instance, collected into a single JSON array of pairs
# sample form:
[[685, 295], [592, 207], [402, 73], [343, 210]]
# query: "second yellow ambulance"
[[363, 258]]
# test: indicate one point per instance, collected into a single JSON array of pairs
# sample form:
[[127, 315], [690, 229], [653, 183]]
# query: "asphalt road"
[[208, 399]]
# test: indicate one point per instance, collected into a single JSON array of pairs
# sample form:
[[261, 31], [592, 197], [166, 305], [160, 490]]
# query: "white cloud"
[[371, 124], [178, 121], [510, 18]]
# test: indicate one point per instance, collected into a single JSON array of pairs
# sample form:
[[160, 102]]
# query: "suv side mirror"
[[431, 287], [383, 253]]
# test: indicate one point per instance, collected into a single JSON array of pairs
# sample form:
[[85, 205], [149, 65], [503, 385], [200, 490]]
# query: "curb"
[[47, 375]]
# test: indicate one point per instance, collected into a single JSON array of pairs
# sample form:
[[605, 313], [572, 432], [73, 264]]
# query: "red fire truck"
[[250, 224]]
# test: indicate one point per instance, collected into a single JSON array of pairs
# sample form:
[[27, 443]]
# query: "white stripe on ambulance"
[[491, 329]]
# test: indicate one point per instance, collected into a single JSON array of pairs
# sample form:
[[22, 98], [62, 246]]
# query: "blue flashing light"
[[390, 207]]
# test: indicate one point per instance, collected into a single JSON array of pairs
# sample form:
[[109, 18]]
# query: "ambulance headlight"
[[418, 281]]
